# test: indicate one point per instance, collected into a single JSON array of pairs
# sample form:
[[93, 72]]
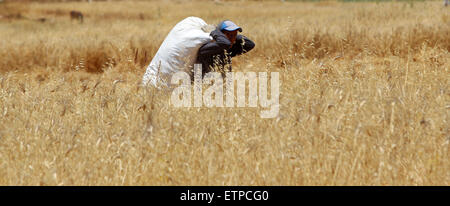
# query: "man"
[[227, 43]]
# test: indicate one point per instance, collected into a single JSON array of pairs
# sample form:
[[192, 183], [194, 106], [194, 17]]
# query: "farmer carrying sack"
[[178, 52]]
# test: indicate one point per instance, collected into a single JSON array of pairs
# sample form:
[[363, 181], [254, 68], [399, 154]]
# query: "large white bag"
[[178, 52]]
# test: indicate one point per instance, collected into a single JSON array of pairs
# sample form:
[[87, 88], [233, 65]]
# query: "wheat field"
[[364, 96]]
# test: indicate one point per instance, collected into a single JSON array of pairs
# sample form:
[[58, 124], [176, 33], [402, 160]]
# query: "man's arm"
[[242, 45], [217, 46]]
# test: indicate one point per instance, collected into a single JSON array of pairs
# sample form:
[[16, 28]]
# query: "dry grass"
[[364, 97]]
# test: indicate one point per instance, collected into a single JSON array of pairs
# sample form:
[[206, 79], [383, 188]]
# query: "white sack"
[[178, 52]]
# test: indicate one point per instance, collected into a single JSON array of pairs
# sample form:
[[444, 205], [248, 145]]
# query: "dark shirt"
[[216, 55]]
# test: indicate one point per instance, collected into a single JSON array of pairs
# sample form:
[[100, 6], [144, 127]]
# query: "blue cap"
[[229, 26]]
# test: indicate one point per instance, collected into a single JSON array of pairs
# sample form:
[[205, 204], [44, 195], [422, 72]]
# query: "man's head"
[[230, 29]]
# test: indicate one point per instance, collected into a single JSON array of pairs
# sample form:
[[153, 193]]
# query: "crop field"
[[364, 96]]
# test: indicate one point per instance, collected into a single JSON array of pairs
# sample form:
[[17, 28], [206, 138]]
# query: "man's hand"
[[242, 45], [229, 35], [217, 46], [216, 33]]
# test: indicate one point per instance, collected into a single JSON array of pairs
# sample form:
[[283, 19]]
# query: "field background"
[[364, 96]]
